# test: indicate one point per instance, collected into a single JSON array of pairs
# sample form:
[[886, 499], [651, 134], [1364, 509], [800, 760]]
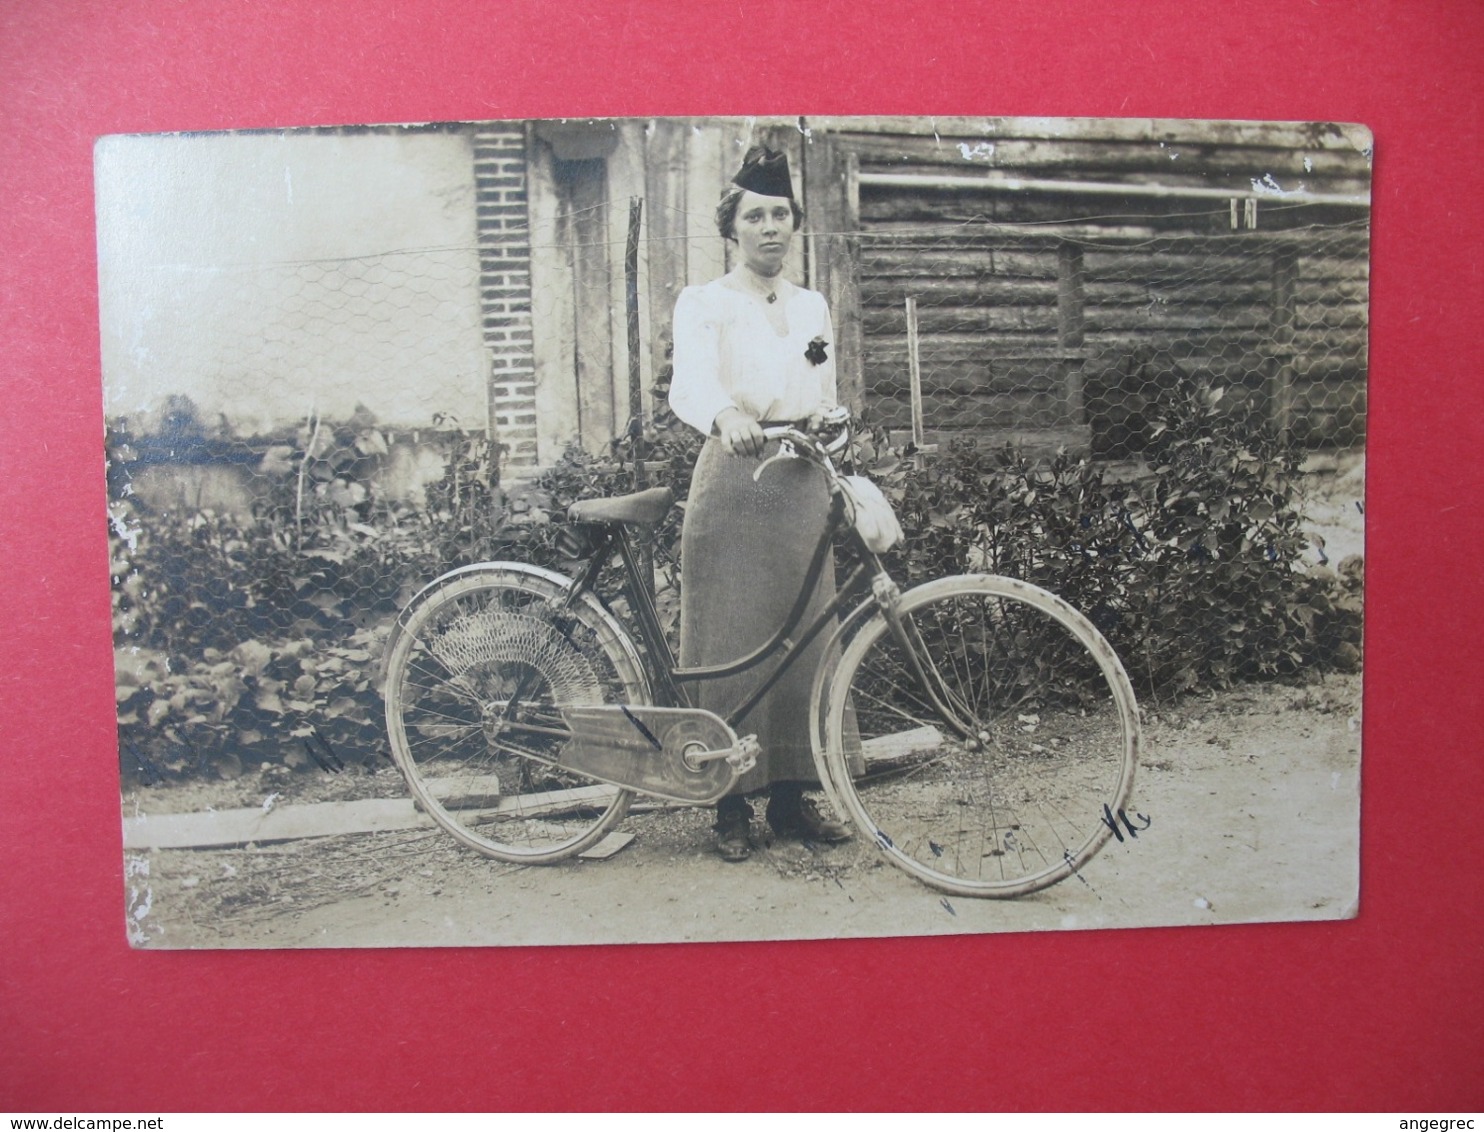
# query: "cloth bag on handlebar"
[[875, 521]]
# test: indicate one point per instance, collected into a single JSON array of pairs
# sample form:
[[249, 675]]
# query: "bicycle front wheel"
[[477, 675], [1000, 735]]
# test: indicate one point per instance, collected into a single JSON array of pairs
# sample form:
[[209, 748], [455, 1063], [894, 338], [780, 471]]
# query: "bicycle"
[[999, 728]]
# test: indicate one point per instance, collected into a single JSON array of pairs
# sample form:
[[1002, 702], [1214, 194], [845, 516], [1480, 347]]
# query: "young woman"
[[751, 347]]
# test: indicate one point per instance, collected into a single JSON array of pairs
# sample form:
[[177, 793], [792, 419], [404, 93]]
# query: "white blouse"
[[727, 354]]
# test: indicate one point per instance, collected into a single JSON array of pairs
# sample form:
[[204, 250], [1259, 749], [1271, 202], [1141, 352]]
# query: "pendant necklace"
[[771, 296]]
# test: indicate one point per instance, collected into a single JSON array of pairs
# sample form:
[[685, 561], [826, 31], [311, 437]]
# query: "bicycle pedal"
[[743, 757]]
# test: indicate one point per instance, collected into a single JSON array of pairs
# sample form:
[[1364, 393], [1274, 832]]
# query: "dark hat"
[[765, 172]]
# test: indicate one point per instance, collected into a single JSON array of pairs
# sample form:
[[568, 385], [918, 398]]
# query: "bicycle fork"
[[956, 714]]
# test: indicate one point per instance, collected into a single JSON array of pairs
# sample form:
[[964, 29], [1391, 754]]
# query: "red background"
[[1386, 1011]]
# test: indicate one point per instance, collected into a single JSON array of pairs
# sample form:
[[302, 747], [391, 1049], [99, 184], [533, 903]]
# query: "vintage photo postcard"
[[603, 531]]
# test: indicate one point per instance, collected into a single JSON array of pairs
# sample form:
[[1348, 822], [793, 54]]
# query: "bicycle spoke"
[[1019, 804], [468, 649]]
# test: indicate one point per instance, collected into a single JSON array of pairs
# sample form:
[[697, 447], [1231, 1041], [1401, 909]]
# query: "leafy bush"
[[259, 639], [1191, 569], [259, 636]]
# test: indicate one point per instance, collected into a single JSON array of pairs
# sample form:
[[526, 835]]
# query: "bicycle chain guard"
[[679, 754]]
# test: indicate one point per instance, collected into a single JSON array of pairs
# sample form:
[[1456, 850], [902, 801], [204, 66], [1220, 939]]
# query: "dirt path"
[[1252, 796]]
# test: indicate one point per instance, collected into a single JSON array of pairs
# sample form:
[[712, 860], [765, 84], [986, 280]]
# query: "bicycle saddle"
[[645, 508]]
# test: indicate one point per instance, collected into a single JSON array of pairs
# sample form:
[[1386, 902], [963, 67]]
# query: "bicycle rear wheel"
[[1027, 797], [477, 675]]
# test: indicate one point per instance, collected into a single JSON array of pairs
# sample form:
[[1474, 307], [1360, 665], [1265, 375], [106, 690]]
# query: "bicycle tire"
[[1056, 723], [461, 651]]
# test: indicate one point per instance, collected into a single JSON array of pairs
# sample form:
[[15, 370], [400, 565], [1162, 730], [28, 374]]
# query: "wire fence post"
[[1070, 312], [631, 310], [636, 392], [914, 373], [1281, 394]]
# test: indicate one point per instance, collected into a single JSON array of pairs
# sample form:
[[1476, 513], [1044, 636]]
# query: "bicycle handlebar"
[[805, 445], [835, 425]]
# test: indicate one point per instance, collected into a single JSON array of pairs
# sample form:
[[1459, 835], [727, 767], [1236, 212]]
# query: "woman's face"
[[764, 228]]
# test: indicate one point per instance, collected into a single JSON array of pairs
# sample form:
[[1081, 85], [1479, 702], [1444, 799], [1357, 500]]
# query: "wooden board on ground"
[[284, 823], [222, 828], [607, 847], [901, 745], [321, 819]]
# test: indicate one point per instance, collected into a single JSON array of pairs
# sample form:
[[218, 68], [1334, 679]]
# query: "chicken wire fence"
[[1051, 339], [277, 341], [257, 566], [263, 537]]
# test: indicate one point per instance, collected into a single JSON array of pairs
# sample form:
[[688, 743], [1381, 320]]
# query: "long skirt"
[[745, 554]]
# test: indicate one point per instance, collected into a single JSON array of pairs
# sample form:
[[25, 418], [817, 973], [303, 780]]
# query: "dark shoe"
[[802, 820], [734, 833]]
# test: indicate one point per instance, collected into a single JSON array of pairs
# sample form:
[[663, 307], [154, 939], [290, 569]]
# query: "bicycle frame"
[[867, 578], [671, 677]]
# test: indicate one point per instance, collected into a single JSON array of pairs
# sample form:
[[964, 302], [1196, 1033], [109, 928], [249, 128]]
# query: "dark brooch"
[[815, 353]]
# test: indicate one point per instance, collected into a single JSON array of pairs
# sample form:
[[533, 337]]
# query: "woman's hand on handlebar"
[[742, 435]]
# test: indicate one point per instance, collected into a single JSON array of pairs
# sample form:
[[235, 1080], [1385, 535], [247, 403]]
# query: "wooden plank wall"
[[1045, 315], [987, 324]]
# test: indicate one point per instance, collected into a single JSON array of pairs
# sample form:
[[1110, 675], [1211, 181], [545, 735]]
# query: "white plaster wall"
[[271, 275]]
